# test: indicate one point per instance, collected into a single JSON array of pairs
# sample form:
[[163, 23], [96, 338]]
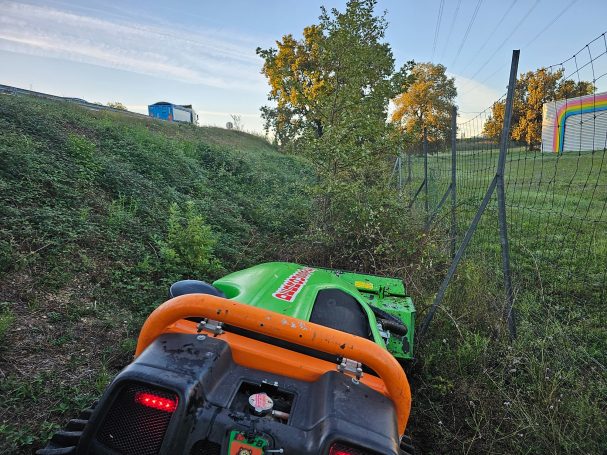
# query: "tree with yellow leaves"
[[117, 105], [427, 103], [329, 92], [339, 76], [533, 89], [298, 82]]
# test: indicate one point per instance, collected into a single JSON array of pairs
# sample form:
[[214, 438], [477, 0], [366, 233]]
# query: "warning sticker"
[[245, 449], [289, 289], [241, 445]]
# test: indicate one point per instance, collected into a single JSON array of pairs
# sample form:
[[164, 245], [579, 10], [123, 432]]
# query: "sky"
[[203, 53]]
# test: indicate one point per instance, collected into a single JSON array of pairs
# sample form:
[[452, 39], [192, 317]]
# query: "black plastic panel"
[[338, 310], [207, 383], [205, 448]]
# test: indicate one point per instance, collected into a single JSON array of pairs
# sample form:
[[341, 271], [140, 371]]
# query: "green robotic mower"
[[279, 358]]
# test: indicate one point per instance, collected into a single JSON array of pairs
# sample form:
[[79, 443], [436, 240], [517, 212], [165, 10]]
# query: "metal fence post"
[[501, 198], [453, 179], [400, 174], [495, 182], [409, 171], [425, 148]]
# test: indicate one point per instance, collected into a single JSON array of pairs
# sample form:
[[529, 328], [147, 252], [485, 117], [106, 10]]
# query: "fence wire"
[[557, 188], [555, 181]]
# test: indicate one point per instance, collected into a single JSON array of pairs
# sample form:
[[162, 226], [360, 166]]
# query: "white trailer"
[[181, 114]]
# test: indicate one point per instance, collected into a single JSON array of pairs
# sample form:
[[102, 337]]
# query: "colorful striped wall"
[[573, 124]]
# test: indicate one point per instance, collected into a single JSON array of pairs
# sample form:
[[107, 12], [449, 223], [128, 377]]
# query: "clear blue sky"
[[201, 52]]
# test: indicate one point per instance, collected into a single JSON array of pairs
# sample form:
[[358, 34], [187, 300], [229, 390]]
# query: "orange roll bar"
[[254, 354], [262, 356]]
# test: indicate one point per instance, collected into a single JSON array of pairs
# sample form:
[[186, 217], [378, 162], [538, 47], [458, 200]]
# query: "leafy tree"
[[570, 89], [236, 122], [117, 105], [427, 103], [340, 71], [331, 90], [493, 126], [533, 90], [297, 81]]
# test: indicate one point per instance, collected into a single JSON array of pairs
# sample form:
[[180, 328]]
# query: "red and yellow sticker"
[[289, 289], [239, 445], [245, 449]]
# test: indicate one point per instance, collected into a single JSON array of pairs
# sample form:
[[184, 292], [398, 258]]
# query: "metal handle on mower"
[[288, 329]]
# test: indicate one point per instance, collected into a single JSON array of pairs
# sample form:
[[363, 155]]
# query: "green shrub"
[[82, 152], [121, 212], [188, 247], [360, 227], [7, 256]]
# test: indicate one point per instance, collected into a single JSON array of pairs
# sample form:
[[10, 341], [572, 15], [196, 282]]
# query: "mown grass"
[[99, 212], [545, 392]]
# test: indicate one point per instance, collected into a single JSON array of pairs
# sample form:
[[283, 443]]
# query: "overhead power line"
[[493, 30], [549, 24], [459, 3], [470, 24], [437, 29], [503, 43]]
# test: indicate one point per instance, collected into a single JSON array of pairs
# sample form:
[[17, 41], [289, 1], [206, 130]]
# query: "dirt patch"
[[60, 351]]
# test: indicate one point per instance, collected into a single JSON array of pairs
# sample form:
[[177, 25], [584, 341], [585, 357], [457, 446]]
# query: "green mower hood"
[[292, 289]]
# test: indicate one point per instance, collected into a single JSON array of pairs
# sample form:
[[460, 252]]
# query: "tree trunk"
[[318, 127]]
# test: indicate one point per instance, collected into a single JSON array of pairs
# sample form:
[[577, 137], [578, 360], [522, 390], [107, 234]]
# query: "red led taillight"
[[335, 451], [340, 449], [156, 402]]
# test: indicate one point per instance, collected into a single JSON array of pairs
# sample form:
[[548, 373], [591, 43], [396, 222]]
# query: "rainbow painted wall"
[[575, 124]]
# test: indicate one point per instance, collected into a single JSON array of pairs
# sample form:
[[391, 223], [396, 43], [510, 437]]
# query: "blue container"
[[172, 112]]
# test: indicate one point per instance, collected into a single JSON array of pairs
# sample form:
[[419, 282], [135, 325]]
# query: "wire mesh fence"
[[558, 199], [554, 180]]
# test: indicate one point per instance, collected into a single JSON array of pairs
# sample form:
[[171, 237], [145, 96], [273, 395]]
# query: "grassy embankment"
[[99, 212]]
